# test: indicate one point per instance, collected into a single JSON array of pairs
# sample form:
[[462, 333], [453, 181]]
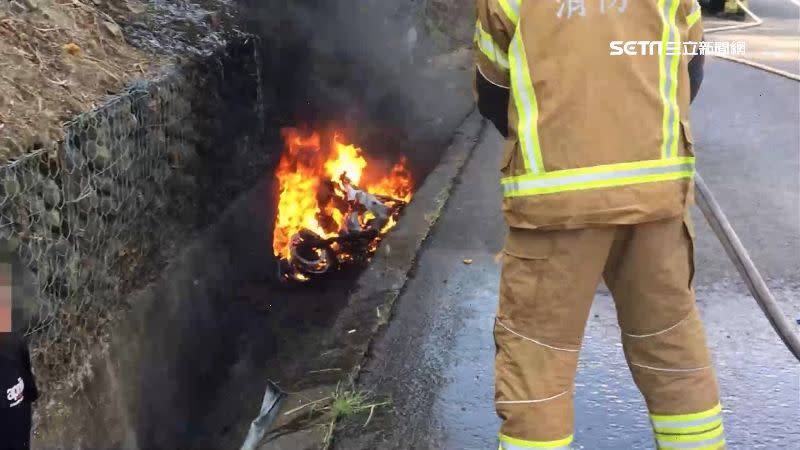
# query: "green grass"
[[341, 404], [348, 403]]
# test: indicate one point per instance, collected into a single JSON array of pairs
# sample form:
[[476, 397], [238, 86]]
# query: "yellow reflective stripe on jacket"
[[610, 175], [694, 14], [527, 108], [511, 9], [709, 440], [489, 48], [509, 443], [535, 180], [668, 77]]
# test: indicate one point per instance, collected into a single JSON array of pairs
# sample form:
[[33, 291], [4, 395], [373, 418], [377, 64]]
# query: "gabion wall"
[[95, 217]]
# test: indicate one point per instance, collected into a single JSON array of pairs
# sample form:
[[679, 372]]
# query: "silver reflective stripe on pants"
[[697, 444], [680, 424], [509, 446]]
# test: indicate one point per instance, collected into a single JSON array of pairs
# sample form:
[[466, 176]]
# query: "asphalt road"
[[436, 357], [775, 43]]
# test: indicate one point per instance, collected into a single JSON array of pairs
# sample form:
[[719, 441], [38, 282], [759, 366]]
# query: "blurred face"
[[5, 297]]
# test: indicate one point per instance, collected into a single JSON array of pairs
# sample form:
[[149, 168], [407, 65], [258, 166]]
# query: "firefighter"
[[733, 10], [596, 176]]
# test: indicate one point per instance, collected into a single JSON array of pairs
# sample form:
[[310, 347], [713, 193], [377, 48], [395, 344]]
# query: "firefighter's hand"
[[492, 102], [695, 75]]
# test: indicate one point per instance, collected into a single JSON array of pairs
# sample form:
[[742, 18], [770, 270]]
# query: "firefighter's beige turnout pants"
[[548, 282]]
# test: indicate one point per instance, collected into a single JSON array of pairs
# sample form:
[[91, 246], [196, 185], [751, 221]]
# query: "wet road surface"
[[776, 42], [435, 359]]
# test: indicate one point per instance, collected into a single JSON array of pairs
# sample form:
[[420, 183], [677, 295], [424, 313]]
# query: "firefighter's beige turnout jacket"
[[607, 145]]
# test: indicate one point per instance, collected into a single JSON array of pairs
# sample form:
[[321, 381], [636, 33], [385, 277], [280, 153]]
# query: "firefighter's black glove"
[[695, 75], [492, 102]]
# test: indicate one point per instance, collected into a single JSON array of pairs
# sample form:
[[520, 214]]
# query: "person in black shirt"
[[17, 384]]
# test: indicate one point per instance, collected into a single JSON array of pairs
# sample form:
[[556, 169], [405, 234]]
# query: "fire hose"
[[727, 236], [756, 21], [738, 255]]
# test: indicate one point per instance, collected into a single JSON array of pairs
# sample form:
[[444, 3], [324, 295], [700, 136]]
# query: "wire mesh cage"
[[89, 217]]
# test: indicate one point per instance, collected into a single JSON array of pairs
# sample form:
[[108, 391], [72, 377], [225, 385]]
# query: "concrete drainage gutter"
[[370, 303], [382, 282]]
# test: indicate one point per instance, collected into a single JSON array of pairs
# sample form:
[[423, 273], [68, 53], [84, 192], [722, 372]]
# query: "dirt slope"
[[58, 58]]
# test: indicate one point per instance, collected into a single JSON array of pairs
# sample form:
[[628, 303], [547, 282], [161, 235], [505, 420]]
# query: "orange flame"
[[306, 166]]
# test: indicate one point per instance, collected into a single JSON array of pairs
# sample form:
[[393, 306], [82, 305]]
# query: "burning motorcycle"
[[366, 218]]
